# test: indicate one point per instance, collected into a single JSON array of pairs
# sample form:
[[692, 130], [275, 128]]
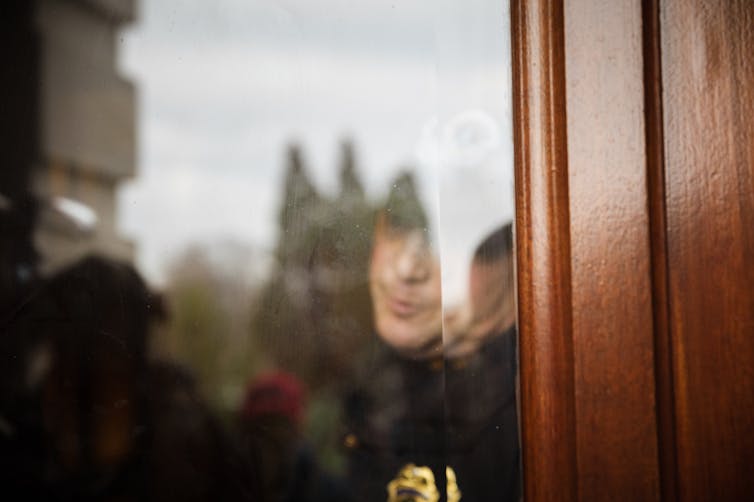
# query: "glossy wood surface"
[[664, 386], [610, 242], [635, 241], [708, 109], [548, 425]]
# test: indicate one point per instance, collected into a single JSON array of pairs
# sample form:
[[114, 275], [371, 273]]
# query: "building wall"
[[87, 125]]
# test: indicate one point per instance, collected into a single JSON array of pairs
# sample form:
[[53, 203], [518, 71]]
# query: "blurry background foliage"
[[312, 317]]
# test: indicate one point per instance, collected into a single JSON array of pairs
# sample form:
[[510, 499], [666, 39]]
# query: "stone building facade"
[[86, 128]]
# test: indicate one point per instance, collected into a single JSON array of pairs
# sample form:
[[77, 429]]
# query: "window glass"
[[259, 250]]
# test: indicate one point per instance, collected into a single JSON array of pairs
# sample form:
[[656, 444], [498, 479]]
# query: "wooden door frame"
[[589, 213], [548, 429]]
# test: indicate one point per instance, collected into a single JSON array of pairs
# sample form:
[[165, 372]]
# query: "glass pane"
[[259, 250]]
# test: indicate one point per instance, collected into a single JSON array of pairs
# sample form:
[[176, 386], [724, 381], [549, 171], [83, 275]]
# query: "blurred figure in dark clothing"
[[92, 417], [192, 457], [433, 419], [394, 414], [480, 380], [271, 418], [270, 424]]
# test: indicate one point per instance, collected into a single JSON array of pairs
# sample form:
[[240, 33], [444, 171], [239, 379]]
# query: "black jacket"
[[456, 413]]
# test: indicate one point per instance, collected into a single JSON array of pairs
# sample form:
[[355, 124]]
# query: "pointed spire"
[[299, 193], [350, 185]]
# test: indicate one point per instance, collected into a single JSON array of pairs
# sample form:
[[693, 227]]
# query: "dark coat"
[[457, 413]]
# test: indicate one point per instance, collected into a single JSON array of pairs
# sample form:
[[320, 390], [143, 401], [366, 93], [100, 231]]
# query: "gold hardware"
[[413, 484]]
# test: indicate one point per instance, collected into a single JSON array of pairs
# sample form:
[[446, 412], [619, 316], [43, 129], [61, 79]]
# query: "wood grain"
[[543, 252], [664, 386], [610, 242], [708, 110]]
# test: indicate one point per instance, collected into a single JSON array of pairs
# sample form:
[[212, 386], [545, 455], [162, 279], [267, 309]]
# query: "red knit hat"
[[277, 393]]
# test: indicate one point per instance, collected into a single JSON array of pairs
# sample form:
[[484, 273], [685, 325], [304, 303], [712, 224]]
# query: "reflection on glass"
[[258, 251]]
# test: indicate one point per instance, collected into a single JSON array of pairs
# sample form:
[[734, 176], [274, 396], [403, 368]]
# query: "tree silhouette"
[[315, 310], [301, 202]]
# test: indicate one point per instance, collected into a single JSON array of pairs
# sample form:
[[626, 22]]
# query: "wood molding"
[[611, 265], [708, 126], [584, 250], [548, 428], [664, 396]]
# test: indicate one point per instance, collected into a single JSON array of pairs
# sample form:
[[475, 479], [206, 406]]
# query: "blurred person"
[[191, 456], [92, 417], [394, 413], [72, 359], [490, 308], [270, 421], [491, 286], [404, 279], [480, 379], [434, 419]]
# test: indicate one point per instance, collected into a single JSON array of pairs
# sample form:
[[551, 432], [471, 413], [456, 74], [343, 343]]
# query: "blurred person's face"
[[404, 281], [491, 297], [488, 312]]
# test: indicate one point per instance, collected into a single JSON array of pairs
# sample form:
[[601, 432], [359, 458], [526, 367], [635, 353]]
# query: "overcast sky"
[[223, 86]]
